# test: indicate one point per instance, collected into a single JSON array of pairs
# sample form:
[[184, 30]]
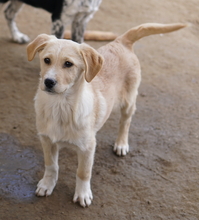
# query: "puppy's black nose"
[[49, 83]]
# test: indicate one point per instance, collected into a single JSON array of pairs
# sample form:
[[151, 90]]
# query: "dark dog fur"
[[64, 12]]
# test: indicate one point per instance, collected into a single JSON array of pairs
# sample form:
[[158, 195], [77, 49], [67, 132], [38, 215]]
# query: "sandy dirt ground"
[[159, 178]]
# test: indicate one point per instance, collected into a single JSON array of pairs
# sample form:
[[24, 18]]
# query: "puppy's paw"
[[20, 38], [121, 150], [83, 193], [45, 186]]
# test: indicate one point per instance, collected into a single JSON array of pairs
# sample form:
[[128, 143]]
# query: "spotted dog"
[[64, 12]]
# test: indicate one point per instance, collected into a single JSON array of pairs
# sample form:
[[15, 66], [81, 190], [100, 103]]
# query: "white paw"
[[121, 150], [45, 186], [20, 38], [83, 193]]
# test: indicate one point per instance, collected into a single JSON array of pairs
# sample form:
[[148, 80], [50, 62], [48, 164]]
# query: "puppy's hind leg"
[[10, 14], [121, 147], [49, 180]]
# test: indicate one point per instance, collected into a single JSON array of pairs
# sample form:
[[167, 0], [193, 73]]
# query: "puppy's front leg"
[[49, 180], [83, 192]]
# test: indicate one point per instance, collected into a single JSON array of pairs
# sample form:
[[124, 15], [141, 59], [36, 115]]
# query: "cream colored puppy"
[[78, 89]]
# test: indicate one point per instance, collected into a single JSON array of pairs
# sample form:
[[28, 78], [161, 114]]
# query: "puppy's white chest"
[[60, 120]]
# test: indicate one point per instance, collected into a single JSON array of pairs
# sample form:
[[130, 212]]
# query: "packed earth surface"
[[159, 178]]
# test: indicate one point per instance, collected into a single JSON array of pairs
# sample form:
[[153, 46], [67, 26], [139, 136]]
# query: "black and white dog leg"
[[79, 26], [10, 14], [57, 28]]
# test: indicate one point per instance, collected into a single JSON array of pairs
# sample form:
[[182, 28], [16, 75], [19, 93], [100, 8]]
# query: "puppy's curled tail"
[[143, 30]]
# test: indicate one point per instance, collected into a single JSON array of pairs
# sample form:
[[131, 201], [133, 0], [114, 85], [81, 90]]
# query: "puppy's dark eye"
[[68, 64], [47, 60]]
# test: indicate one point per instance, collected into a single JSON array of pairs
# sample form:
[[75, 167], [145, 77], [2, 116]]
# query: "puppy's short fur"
[[64, 12], [78, 89]]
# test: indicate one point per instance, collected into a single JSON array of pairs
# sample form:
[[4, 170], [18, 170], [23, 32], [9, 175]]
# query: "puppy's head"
[[63, 62]]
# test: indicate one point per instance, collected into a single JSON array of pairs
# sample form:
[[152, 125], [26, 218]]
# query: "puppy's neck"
[[78, 97], [77, 90]]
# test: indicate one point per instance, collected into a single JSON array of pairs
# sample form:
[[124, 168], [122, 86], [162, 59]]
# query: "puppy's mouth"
[[54, 89], [50, 91]]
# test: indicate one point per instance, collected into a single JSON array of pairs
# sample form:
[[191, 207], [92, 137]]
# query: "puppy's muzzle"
[[49, 83]]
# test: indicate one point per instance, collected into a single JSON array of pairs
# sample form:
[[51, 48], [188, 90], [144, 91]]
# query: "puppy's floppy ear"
[[93, 61], [38, 44]]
